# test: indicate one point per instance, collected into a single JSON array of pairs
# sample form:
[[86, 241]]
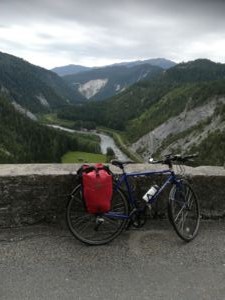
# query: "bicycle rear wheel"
[[183, 211], [95, 229]]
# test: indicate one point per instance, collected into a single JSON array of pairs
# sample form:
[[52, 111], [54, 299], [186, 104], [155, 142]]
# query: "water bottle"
[[150, 193]]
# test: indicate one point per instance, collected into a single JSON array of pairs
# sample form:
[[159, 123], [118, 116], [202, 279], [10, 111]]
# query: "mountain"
[[70, 69], [195, 71], [33, 88], [180, 81], [184, 120], [159, 62], [182, 109], [75, 69], [189, 117], [25, 141], [102, 83]]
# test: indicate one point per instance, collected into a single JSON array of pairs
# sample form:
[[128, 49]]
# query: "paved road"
[[44, 262]]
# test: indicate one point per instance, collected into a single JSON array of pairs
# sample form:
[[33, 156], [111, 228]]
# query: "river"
[[105, 141]]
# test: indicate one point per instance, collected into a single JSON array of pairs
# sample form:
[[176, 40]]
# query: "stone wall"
[[39, 192]]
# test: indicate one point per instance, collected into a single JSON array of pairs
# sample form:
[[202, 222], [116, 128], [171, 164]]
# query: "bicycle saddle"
[[121, 164]]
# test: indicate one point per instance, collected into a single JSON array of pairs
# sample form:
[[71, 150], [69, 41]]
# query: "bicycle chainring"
[[139, 219]]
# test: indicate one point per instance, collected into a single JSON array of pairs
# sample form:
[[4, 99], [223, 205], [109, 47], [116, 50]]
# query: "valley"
[[134, 107], [105, 142], [179, 111]]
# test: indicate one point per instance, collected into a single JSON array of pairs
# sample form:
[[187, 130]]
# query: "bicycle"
[[98, 229]]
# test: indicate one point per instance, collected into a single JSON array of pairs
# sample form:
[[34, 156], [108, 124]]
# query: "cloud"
[[51, 33]]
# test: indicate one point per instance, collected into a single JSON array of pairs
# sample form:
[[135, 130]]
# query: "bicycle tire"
[[183, 211], [83, 224]]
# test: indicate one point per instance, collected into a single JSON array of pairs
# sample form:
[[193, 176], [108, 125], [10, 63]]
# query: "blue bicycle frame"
[[171, 179]]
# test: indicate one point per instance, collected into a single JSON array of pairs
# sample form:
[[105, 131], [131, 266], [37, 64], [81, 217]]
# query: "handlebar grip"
[[172, 158]]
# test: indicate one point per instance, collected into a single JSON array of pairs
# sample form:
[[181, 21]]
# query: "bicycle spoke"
[[180, 212], [184, 215], [81, 219], [111, 221], [86, 226], [83, 229]]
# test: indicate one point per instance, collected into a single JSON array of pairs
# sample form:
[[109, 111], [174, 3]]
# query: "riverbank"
[[119, 141], [106, 141]]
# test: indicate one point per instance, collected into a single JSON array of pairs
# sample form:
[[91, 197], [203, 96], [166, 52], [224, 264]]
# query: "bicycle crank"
[[138, 219]]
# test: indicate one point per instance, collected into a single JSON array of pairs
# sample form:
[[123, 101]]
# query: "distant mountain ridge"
[[159, 62], [70, 69], [75, 69], [32, 87], [102, 83]]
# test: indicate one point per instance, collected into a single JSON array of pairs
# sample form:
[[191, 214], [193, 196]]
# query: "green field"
[[83, 157], [53, 119]]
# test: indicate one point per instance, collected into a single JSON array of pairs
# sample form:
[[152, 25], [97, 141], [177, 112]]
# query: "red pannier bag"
[[97, 185]]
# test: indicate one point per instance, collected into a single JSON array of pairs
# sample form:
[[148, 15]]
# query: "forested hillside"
[[199, 70], [102, 83], [135, 101], [173, 103], [25, 141], [180, 110], [33, 87]]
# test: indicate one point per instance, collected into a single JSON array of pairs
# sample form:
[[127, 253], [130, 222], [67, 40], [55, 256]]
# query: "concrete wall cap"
[[66, 169]]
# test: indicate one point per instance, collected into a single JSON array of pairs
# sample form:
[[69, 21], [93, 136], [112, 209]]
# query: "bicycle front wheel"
[[95, 229], [183, 211]]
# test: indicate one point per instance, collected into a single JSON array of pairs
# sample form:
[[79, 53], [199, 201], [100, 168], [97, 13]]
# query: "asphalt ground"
[[46, 262]]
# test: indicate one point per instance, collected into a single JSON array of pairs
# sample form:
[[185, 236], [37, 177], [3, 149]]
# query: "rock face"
[[39, 193], [92, 87], [24, 111], [104, 82], [187, 120]]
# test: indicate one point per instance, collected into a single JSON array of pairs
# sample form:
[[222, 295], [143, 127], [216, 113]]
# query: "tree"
[[110, 154]]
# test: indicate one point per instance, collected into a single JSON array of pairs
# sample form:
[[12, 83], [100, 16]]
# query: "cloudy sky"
[[52, 33]]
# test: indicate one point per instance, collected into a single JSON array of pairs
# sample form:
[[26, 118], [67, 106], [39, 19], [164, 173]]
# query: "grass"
[[83, 157], [117, 136], [53, 119]]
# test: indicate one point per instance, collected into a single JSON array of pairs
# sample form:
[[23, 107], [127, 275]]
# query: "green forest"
[[27, 84], [148, 104], [25, 141], [131, 113]]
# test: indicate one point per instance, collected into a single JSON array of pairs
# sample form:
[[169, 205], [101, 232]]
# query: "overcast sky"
[[52, 33]]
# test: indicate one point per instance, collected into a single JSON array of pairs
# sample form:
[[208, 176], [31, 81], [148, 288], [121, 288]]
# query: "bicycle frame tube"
[[170, 179], [124, 178]]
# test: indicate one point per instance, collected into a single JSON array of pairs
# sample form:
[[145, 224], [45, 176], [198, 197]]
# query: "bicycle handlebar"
[[170, 158]]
